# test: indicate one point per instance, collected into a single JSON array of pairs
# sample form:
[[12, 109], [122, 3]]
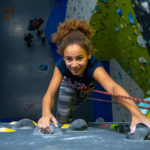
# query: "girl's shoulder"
[[94, 61], [60, 63]]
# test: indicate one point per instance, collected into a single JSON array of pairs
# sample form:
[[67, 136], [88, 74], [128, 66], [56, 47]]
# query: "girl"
[[76, 74]]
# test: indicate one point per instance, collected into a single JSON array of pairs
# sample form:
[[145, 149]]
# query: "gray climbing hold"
[[78, 125], [142, 132], [100, 119], [56, 130], [51, 130], [25, 124]]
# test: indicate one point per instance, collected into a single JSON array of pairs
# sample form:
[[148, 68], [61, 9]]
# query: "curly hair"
[[73, 31]]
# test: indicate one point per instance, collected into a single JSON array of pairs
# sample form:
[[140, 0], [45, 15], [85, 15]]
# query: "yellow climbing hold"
[[3, 129], [65, 126], [34, 123]]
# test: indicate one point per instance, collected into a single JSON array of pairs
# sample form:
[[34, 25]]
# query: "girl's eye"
[[68, 59], [79, 58]]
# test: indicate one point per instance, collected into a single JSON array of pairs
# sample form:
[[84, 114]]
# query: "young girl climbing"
[[75, 75]]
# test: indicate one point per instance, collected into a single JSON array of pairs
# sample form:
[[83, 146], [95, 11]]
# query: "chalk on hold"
[[52, 130], [78, 125], [24, 123], [56, 130], [142, 132]]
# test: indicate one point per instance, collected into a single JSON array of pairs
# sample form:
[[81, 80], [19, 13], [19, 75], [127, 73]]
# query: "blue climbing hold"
[[131, 19], [97, 7], [119, 12], [117, 29], [104, 1], [129, 71], [43, 67], [144, 111]]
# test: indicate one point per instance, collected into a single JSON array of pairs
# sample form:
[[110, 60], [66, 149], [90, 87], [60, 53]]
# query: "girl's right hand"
[[44, 123]]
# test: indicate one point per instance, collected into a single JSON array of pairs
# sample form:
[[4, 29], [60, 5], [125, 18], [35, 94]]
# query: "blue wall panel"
[[57, 16], [102, 109]]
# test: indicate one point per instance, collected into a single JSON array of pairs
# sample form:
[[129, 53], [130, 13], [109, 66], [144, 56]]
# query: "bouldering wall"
[[118, 35]]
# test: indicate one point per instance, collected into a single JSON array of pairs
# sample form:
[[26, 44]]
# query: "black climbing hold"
[[123, 128], [142, 132]]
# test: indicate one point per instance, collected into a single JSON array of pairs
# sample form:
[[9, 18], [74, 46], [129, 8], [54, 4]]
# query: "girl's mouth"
[[75, 70]]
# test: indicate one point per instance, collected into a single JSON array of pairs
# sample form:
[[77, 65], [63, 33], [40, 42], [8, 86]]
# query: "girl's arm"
[[48, 100], [110, 85]]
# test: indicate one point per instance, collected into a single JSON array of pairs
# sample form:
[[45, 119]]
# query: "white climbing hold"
[[145, 6]]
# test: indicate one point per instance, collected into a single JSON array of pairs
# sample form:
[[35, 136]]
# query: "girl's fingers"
[[55, 122], [132, 129]]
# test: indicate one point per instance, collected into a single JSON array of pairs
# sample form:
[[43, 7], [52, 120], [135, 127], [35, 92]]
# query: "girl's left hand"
[[137, 120]]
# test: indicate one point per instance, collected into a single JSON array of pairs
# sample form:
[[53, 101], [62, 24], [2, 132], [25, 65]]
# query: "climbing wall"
[[25, 70], [122, 31], [118, 35], [142, 11], [76, 9], [121, 37], [123, 79]]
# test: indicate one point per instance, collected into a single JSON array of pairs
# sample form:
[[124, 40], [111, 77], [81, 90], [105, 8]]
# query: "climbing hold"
[[119, 12], [105, 125], [13, 123], [141, 41], [43, 67], [117, 29], [148, 92], [145, 6], [114, 126], [24, 123], [129, 71], [142, 60], [131, 20], [104, 1], [97, 7], [78, 124], [121, 26], [100, 119], [51, 130], [144, 111], [65, 126], [123, 128], [3, 129], [142, 132]]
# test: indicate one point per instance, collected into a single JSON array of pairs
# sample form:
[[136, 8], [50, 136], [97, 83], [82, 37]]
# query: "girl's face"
[[76, 59]]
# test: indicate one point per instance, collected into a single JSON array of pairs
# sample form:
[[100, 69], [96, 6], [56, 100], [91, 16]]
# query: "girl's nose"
[[74, 64]]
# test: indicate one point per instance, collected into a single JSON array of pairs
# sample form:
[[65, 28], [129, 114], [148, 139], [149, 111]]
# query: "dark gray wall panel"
[[22, 83]]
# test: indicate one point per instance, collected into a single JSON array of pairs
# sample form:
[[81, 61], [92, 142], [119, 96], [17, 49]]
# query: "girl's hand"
[[44, 123], [137, 120]]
